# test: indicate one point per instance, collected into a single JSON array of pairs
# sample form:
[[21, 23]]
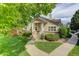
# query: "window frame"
[[52, 28]]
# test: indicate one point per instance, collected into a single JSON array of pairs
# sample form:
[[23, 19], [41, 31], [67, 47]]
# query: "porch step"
[[35, 35]]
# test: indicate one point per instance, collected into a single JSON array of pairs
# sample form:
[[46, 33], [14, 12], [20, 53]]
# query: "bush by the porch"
[[52, 37]]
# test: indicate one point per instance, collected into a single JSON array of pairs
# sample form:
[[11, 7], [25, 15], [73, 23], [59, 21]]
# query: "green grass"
[[75, 50], [12, 45], [24, 53], [47, 46]]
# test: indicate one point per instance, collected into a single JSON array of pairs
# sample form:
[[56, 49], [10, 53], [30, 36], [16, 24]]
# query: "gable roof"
[[45, 20]]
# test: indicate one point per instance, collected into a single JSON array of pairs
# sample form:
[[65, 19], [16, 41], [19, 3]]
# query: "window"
[[52, 28], [49, 29]]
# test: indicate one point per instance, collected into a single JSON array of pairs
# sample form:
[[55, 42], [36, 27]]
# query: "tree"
[[64, 31], [75, 21], [19, 15], [29, 11]]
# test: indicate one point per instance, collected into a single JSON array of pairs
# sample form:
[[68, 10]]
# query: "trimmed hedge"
[[52, 37]]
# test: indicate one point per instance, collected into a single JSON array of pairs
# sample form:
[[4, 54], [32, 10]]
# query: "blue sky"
[[65, 11]]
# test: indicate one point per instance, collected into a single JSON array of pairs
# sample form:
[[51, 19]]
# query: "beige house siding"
[[50, 24]]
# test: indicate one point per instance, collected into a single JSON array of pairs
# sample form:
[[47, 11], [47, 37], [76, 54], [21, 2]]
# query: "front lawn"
[[47, 46], [12, 45], [75, 50]]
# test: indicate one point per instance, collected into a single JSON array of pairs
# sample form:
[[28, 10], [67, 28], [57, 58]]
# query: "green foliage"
[[34, 10], [68, 33], [75, 21], [27, 34], [52, 37], [64, 31], [19, 15]]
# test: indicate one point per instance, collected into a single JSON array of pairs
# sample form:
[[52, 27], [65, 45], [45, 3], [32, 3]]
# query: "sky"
[[65, 11]]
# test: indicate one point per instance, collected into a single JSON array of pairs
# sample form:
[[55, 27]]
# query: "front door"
[[38, 27]]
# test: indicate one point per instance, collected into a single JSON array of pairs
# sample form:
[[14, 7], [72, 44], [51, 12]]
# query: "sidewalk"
[[65, 48]]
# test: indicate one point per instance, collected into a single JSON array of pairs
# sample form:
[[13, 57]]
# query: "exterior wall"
[[44, 27], [51, 24], [33, 27]]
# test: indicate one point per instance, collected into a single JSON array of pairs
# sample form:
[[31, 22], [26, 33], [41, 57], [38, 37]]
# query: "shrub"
[[69, 36], [68, 33], [52, 37], [42, 36], [64, 32], [27, 34]]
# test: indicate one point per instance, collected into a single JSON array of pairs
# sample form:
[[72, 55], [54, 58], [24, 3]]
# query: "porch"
[[37, 29]]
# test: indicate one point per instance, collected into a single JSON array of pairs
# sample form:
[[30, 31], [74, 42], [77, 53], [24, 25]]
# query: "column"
[[33, 27]]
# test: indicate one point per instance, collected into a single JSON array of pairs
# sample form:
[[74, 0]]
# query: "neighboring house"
[[43, 25]]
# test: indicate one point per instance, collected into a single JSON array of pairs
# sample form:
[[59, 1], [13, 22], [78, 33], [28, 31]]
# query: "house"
[[43, 25]]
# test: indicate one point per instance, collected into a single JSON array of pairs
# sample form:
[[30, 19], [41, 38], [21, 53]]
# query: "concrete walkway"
[[34, 51], [65, 48], [62, 50]]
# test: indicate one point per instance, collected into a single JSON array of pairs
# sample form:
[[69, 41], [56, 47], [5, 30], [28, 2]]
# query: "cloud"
[[65, 11]]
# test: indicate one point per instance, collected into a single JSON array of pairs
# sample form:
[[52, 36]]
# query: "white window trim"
[[52, 28]]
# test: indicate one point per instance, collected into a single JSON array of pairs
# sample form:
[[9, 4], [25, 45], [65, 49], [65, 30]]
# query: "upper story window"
[[52, 28]]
